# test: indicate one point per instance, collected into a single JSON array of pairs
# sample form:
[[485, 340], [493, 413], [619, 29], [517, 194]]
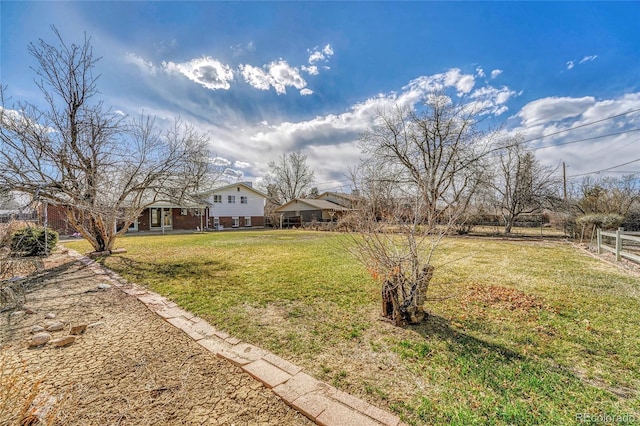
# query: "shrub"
[[602, 221], [30, 241], [7, 230]]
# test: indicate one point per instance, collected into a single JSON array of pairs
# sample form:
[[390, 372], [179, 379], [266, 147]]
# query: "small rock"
[[37, 329], [103, 286], [16, 278], [91, 290], [96, 324], [55, 326], [29, 311], [50, 315], [63, 341], [78, 329], [17, 313], [39, 339]]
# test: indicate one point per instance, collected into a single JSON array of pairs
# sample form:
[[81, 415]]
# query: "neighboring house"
[[56, 218], [238, 205], [159, 216], [301, 210], [345, 200]]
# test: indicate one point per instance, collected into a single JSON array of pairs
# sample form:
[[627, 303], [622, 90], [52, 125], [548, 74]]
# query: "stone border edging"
[[319, 401]]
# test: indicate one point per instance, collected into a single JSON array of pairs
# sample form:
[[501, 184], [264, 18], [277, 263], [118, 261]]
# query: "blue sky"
[[265, 78]]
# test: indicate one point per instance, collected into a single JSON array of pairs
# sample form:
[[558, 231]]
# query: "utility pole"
[[564, 181]]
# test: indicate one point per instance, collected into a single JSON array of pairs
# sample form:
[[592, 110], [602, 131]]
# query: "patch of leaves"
[[508, 298]]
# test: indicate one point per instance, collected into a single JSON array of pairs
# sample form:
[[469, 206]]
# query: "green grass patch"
[[526, 332]]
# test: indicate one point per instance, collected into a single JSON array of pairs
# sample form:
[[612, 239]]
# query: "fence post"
[[618, 243], [599, 239]]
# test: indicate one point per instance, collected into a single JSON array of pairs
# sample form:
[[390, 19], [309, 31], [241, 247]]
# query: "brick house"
[[169, 216], [238, 205]]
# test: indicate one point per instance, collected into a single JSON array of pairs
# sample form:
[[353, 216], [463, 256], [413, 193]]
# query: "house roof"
[[350, 197], [171, 204], [310, 204], [233, 185]]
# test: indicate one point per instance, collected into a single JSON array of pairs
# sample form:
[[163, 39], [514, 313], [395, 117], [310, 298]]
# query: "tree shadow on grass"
[[438, 327], [505, 371], [191, 269]]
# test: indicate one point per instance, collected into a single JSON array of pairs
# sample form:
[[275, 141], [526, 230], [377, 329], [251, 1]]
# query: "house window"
[[247, 221], [216, 222], [235, 222], [217, 198], [243, 200], [183, 212], [231, 199]]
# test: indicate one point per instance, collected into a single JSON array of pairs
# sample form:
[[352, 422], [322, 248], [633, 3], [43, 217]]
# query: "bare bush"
[[421, 172]]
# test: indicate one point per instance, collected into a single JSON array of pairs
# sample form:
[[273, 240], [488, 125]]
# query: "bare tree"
[[420, 173], [290, 176], [607, 203], [521, 185], [77, 154], [608, 195]]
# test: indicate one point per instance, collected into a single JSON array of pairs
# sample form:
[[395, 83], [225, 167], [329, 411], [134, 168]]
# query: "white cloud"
[[480, 72], [588, 59], [284, 75], [118, 112], [333, 129], [311, 69], [256, 141], [320, 54], [233, 174], [205, 71], [553, 109], [306, 92], [219, 161], [256, 77], [145, 66], [491, 100], [278, 75], [571, 64], [315, 57], [588, 135], [465, 84], [495, 73]]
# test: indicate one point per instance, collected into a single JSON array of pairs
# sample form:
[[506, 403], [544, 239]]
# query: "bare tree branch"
[[75, 153]]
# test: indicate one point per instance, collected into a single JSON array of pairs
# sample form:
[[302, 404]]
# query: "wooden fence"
[[625, 244]]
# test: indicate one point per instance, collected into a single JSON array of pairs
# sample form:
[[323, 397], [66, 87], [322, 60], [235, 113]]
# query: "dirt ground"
[[129, 367]]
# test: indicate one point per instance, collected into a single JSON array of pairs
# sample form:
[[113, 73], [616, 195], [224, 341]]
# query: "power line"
[[608, 168], [581, 125], [587, 139]]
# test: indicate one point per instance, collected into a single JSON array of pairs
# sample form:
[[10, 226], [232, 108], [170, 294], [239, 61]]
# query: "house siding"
[[226, 211], [227, 222], [57, 220], [190, 221]]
